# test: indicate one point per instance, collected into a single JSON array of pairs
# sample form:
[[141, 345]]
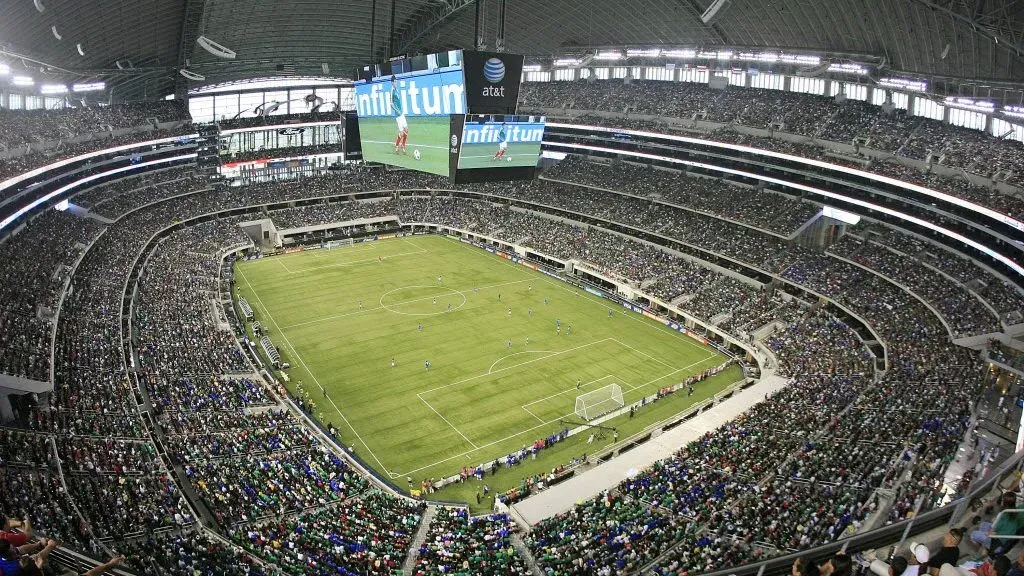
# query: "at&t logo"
[[494, 72]]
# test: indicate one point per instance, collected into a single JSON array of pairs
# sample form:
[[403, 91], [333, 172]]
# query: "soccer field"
[[427, 134], [482, 155], [497, 380]]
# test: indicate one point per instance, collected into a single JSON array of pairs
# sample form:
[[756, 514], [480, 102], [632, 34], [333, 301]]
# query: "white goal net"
[[599, 402]]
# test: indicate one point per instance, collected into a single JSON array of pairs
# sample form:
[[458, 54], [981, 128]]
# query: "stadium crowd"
[[820, 117], [827, 441]]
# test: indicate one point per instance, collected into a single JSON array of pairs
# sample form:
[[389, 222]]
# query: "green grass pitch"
[[427, 134], [482, 155], [340, 316]]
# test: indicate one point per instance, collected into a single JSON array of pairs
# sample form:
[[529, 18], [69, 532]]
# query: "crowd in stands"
[[459, 544], [360, 536], [808, 115], [826, 441], [19, 127], [38, 260], [122, 196]]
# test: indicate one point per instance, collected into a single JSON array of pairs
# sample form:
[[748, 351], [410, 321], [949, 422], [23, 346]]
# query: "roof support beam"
[[993, 19], [425, 19], [191, 23]]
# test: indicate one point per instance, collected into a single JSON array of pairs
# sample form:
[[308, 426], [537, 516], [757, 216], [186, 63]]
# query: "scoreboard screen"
[[496, 141], [412, 113], [404, 111]]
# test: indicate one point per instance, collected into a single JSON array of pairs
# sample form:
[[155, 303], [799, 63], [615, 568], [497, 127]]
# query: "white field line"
[[336, 316], [569, 390], [463, 381], [531, 413], [549, 352], [561, 285], [459, 432], [392, 143], [281, 262], [310, 372], [354, 262], [544, 423], [642, 353], [489, 444]]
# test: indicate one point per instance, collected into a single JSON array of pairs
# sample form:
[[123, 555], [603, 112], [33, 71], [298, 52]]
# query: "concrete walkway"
[[563, 496], [417, 540]]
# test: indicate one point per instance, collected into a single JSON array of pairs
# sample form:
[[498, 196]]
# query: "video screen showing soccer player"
[[497, 141], [404, 110]]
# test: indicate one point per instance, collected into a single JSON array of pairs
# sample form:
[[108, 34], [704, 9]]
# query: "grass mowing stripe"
[[486, 364]]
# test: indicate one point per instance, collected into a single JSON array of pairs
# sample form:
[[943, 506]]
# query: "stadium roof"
[[152, 39]]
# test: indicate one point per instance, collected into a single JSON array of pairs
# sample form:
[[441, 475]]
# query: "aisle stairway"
[[418, 539], [526, 555]]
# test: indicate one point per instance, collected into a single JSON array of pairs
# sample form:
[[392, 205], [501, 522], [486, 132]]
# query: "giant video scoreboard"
[[451, 114]]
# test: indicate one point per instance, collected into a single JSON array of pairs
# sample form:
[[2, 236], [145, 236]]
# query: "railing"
[[887, 535]]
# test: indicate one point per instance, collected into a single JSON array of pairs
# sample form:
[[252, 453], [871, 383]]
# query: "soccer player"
[[609, 312], [502, 143], [510, 343], [392, 362], [449, 306], [420, 327], [426, 364], [545, 301], [402, 139], [558, 323], [568, 329], [579, 383], [509, 312], [438, 278], [527, 340], [529, 311], [435, 301], [360, 304]]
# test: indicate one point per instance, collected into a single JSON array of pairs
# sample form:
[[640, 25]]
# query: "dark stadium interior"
[[829, 194]]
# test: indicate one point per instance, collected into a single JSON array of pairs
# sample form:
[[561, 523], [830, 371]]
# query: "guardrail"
[[895, 533]]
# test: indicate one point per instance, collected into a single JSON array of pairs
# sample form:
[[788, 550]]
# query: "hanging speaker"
[[945, 52], [39, 6], [80, 51], [55, 33], [215, 49]]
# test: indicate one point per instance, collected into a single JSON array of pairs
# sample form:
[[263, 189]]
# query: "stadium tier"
[[312, 302]]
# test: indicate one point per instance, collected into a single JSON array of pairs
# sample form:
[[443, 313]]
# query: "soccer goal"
[[599, 402]]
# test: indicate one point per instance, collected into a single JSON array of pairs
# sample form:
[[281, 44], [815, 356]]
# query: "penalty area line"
[[464, 437]]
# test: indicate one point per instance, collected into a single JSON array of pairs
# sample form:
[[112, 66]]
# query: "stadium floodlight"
[[532, 68], [847, 68], [905, 84], [214, 48], [686, 53], [568, 62], [804, 59], [90, 87], [1015, 111], [599, 402], [643, 52], [23, 81], [4, 69], [191, 75], [970, 104], [608, 55], [53, 89], [724, 55]]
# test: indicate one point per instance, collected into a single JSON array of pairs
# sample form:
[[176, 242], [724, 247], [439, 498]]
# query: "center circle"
[[422, 300]]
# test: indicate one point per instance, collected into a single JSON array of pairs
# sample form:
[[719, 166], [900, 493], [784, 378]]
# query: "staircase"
[[418, 539], [524, 552]]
